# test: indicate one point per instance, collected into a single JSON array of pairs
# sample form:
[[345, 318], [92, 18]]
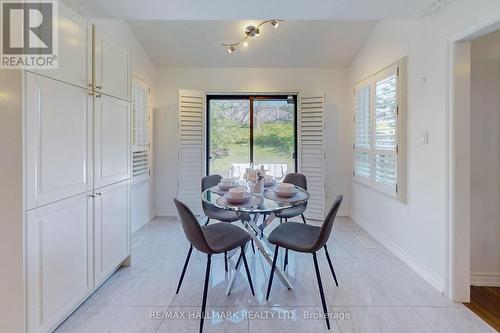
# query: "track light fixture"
[[250, 31]]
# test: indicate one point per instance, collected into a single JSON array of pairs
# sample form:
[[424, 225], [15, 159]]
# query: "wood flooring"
[[485, 302]]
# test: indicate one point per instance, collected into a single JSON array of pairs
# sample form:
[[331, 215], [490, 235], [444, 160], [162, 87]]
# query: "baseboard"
[[485, 279], [165, 212], [422, 270]]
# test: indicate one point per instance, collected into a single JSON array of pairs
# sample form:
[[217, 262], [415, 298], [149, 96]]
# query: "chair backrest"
[[327, 226], [192, 228], [209, 181], [296, 179]]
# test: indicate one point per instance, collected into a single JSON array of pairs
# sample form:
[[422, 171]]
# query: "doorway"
[[474, 170], [244, 130]]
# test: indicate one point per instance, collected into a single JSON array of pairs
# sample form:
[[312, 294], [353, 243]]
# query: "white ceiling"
[[256, 9], [293, 44], [319, 33]]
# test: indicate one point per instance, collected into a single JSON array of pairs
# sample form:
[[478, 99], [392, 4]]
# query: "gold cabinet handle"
[[99, 87], [91, 93]]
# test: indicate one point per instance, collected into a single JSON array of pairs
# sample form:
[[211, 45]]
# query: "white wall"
[[305, 80], [142, 194], [485, 160], [417, 230]]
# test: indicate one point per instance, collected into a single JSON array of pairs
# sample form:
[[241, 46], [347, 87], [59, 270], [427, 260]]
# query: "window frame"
[[397, 191], [251, 98], [139, 148]]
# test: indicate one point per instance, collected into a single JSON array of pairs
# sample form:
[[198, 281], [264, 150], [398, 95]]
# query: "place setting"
[[238, 196], [285, 192]]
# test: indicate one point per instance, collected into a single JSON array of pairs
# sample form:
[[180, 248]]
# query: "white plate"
[[286, 194], [227, 187], [238, 201]]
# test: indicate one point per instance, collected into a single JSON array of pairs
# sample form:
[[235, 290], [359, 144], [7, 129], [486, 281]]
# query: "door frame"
[[251, 97], [458, 233]]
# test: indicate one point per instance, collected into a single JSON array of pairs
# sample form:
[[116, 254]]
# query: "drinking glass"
[[278, 172], [235, 173]]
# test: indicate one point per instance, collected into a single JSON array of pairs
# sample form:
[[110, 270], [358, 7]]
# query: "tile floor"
[[376, 293]]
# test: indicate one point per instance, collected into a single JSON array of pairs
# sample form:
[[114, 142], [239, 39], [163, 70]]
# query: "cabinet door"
[[111, 67], [58, 140], [111, 229], [74, 59], [111, 140], [58, 258]]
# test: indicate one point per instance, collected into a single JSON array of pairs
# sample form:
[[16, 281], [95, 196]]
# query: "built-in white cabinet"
[[71, 209], [58, 253], [111, 140], [111, 228], [111, 66], [75, 57], [58, 140]]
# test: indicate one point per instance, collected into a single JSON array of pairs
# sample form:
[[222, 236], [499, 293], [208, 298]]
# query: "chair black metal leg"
[[285, 263], [208, 220], [321, 292], [303, 218], [253, 247], [246, 268], [225, 261], [281, 220], [184, 268], [331, 266], [205, 290], [273, 267]]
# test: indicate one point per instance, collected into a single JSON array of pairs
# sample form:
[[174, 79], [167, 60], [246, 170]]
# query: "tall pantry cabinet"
[[75, 134]]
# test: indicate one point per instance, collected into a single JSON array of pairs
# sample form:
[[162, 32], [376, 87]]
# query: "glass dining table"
[[268, 203]]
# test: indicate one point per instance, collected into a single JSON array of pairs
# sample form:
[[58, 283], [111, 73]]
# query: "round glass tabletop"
[[266, 202]]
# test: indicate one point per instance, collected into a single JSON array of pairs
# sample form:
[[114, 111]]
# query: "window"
[[141, 140], [251, 129], [379, 131]]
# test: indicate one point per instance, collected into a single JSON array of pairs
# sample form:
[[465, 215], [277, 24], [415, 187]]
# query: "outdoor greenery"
[[230, 136]]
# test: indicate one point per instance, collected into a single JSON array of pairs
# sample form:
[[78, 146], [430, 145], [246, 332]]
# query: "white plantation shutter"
[[191, 147], [379, 131], [312, 157], [362, 140], [385, 130], [141, 133]]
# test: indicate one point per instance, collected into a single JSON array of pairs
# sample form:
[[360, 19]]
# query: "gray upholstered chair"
[[215, 213], [300, 180], [212, 212], [211, 239], [305, 238]]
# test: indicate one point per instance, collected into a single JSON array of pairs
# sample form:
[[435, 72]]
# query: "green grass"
[[229, 144], [239, 153]]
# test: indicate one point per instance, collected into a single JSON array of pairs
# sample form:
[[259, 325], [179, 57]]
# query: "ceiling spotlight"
[[250, 31]]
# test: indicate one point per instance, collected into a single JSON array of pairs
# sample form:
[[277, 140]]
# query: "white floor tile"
[[378, 291]]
